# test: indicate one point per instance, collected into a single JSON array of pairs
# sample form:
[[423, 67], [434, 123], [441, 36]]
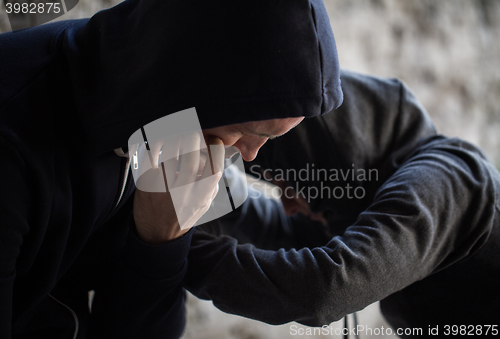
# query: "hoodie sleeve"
[[263, 223], [432, 212], [141, 296], [14, 225]]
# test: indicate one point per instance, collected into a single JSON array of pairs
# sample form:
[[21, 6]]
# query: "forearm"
[[142, 296], [414, 227], [262, 221]]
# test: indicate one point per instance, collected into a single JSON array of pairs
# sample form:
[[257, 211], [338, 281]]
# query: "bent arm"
[[432, 212], [14, 225], [139, 294], [262, 222]]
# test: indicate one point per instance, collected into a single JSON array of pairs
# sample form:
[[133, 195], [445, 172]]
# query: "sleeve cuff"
[[156, 261]]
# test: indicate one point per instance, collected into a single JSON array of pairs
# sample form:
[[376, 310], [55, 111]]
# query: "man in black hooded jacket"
[[73, 92]]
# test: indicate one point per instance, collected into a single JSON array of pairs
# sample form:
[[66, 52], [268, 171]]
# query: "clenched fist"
[[190, 181]]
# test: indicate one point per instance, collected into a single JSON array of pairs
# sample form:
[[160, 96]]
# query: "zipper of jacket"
[[124, 184], [75, 317]]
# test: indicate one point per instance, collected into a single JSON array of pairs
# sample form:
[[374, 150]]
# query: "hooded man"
[[389, 210], [73, 92]]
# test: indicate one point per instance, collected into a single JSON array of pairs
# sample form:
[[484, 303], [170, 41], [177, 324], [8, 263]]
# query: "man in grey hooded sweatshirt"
[[389, 210]]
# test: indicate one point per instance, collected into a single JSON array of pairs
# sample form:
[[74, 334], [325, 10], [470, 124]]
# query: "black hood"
[[235, 61]]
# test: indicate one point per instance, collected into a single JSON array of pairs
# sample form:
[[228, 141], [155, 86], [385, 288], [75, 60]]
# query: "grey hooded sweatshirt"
[[424, 238]]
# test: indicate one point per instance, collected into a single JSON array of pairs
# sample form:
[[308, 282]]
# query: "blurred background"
[[447, 51]]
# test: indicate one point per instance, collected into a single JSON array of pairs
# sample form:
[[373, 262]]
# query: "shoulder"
[[25, 54], [353, 82], [370, 99]]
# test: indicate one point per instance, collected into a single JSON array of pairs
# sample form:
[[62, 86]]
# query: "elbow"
[[321, 309]]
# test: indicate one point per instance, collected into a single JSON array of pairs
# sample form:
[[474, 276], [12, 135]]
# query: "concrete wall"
[[447, 51]]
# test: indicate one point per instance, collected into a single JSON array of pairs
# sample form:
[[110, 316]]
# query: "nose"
[[249, 155], [250, 147]]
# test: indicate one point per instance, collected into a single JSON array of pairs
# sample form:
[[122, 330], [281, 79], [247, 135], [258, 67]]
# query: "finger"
[[189, 162], [217, 153], [202, 192], [169, 168], [304, 210], [170, 159], [204, 206], [216, 190], [301, 202], [151, 181], [193, 202], [215, 163], [154, 149]]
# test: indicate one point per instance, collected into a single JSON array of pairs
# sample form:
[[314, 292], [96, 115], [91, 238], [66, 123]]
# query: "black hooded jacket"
[[71, 92]]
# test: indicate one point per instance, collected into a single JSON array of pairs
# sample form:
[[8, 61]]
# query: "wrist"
[[156, 261], [159, 236]]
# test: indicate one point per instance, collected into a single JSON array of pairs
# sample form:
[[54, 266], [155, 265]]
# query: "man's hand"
[[294, 203], [160, 217]]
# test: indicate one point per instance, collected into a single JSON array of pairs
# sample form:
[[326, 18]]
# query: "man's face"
[[249, 137]]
